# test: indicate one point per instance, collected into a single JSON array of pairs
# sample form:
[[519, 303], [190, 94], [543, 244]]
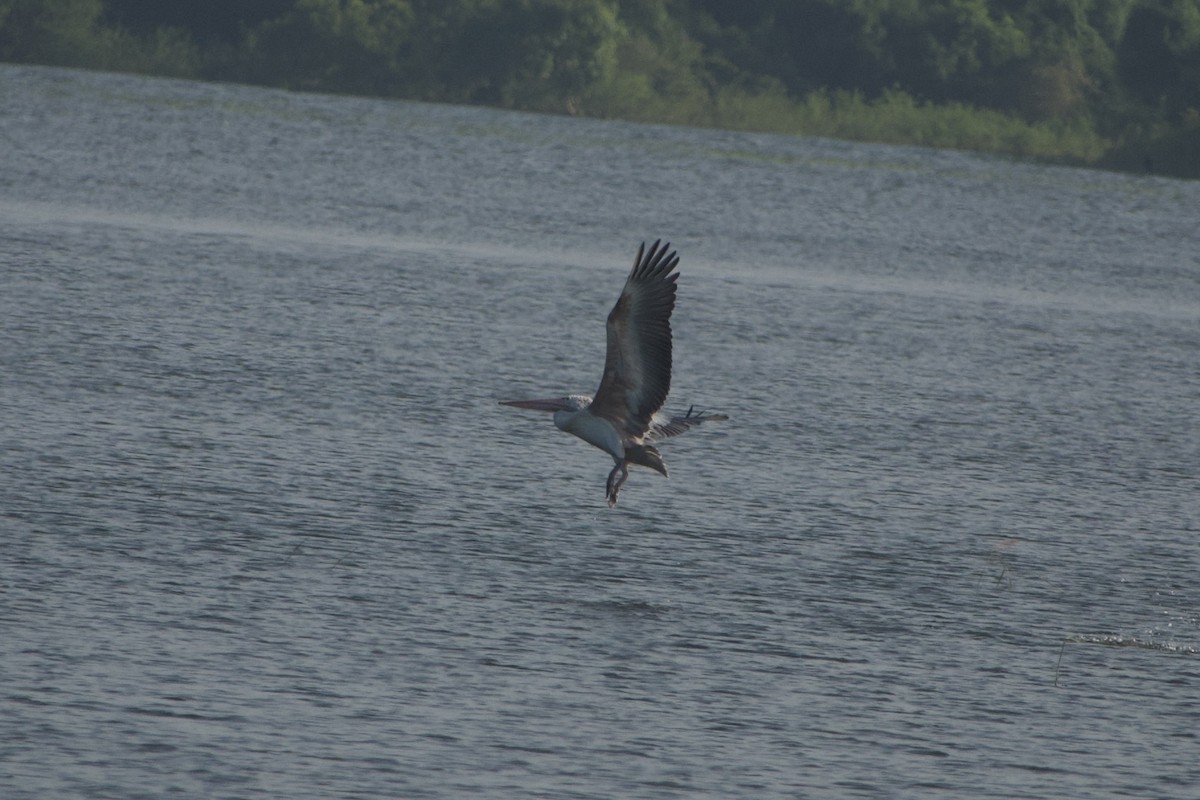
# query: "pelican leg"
[[615, 479]]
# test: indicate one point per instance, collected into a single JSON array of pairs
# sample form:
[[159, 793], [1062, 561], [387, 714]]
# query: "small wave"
[[1114, 640]]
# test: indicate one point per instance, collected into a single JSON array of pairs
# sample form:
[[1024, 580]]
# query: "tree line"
[[1109, 82]]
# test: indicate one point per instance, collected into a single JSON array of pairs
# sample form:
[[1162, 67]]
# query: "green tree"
[[528, 53], [1159, 56], [48, 31], [660, 71], [803, 44], [207, 21], [953, 50], [333, 45], [71, 33]]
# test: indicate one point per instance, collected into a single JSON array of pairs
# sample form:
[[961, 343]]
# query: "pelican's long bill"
[[549, 404], [624, 417]]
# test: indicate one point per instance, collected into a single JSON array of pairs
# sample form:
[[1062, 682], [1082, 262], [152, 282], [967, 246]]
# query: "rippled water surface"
[[266, 533]]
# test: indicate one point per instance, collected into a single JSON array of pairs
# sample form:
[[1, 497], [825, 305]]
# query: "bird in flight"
[[623, 419]]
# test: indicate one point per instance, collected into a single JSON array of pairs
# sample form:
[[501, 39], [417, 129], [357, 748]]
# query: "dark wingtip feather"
[[656, 262]]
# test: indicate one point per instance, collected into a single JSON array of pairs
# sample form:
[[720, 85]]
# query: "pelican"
[[623, 419]]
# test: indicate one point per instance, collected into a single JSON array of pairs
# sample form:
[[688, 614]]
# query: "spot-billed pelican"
[[623, 419]]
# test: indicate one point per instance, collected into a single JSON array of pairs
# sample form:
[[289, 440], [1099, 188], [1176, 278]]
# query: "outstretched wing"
[[637, 368], [665, 427]]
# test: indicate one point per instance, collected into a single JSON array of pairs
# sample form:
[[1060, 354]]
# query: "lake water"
[[266, 532]]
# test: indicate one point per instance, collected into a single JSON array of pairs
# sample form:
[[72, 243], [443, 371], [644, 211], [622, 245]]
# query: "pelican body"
[[624, 418]]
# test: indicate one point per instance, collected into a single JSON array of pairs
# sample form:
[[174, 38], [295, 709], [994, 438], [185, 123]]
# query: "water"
[[266, 532]]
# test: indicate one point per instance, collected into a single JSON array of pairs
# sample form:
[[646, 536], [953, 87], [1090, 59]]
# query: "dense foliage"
[[1108, 81]]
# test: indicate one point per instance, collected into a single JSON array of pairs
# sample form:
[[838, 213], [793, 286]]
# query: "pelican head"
[[574, 402], [565, 409]]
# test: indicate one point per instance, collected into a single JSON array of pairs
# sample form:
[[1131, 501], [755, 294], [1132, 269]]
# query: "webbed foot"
[[615, 479]]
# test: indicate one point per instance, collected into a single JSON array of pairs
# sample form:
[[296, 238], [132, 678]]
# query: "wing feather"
[[666, 427], [637, 367]]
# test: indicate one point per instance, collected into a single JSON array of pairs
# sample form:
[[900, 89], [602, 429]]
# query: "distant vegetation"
[[1112, 83]]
